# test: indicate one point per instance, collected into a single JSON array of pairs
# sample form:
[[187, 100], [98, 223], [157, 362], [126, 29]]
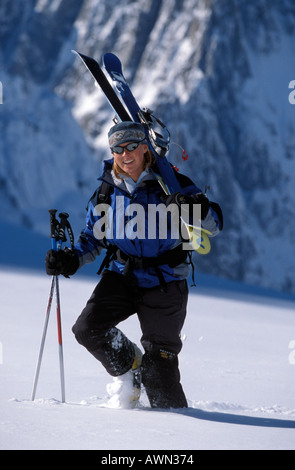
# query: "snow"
[[237, 367]]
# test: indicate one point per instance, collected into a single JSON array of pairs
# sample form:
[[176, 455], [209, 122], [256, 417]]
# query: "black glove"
[[64, 262], [200, 198]]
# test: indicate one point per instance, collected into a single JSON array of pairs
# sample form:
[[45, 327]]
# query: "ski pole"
[[36, 377], [57, 235], [53, 227], [59, 338], [62, 238]]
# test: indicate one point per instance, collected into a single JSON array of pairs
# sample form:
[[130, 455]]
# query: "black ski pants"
[[161, 315]]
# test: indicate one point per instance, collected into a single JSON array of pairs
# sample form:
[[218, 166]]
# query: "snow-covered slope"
[[216, 72], [236, 364]]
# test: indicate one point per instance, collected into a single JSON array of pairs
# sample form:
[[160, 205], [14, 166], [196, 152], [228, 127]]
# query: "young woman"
[[145, 273]]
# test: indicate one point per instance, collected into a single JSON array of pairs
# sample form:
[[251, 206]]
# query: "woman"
[[146, 274]]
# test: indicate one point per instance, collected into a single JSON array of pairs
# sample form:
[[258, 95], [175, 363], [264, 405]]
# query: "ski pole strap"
[[58, 229], [63, 226], [71, 234]]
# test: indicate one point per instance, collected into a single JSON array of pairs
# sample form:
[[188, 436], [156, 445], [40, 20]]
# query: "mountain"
[[216, 72]]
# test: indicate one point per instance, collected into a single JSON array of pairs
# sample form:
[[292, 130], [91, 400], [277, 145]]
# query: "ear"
[[145, 148]]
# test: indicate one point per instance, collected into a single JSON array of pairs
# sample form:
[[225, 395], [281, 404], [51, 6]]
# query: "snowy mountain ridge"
[[216, 72]]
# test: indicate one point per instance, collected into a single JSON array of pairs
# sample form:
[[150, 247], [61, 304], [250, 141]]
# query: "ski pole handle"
[[53, 225]]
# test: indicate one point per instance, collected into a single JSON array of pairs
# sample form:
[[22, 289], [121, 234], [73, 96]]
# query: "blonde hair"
[[149, 160]]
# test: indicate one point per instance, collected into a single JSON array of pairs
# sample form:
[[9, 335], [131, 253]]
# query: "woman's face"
[[131, 162]]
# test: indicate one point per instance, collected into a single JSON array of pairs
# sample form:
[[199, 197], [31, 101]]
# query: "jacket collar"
[[124, 182]]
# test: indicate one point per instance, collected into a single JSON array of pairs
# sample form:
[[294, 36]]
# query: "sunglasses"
[[130, 147]]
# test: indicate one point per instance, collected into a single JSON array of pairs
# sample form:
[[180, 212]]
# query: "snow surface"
[[237, 366]]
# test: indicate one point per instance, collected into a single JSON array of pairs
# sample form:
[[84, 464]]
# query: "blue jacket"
[[125, 221]]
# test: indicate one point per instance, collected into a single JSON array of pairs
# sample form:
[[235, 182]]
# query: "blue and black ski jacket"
[[131, 221]]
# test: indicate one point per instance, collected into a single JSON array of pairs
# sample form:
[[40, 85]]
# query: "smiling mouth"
[[126, 162]]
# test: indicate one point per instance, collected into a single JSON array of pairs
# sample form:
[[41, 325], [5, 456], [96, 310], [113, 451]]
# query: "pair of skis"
[[126, 108]]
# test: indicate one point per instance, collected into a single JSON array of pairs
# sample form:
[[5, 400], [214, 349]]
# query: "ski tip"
[[88, 61], [110, 55], [80, 55], [110, 60], [84, 57]]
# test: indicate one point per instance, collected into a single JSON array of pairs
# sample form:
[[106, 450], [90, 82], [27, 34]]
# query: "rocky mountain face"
[[215, 71]]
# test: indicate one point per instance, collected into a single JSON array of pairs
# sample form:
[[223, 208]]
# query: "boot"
[[125, 389]]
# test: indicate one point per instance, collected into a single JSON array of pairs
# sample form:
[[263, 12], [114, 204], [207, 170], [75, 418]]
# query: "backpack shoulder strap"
[[104, 192], [101, 194]]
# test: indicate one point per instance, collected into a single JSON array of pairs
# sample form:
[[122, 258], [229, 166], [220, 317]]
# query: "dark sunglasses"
[[130, 147]]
